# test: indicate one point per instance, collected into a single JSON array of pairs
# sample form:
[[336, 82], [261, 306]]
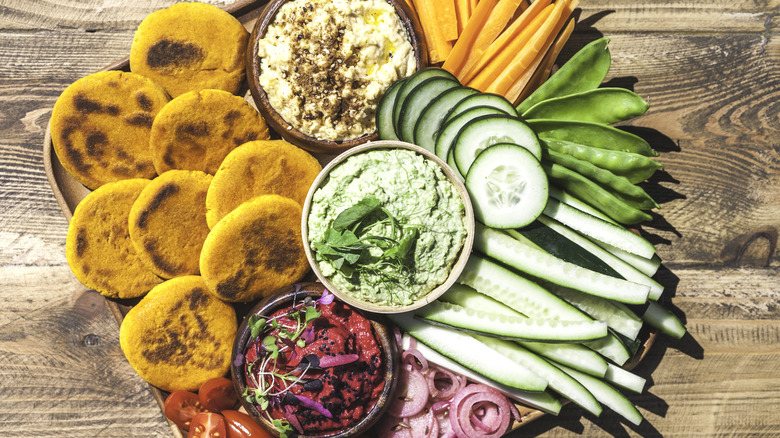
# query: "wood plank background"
[[711, 73]]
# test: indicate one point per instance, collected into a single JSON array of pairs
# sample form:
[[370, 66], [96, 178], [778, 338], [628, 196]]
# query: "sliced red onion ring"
[[424, 425], [448, 391], [411, 395], [484, 413], [445, 428], [440, 406], [409, 357], [399, 339], [478, 395]]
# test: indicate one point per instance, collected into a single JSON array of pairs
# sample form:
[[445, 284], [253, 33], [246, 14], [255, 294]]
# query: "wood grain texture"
[[711, 73]]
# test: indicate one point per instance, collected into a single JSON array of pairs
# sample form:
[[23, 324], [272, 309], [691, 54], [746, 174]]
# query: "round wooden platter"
[[68, 192]]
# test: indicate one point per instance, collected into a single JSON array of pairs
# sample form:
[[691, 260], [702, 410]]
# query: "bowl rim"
[[281, 297], [458, 265], [271, 115]]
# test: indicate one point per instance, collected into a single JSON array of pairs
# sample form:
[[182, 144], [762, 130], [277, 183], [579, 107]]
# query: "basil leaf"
[[353, 214]]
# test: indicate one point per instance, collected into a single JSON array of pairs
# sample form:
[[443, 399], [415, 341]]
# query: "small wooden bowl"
[[457, 267], [297, 293], [272, 117]]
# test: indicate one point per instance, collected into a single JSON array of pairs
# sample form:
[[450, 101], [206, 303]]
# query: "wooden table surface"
[[710, 71]]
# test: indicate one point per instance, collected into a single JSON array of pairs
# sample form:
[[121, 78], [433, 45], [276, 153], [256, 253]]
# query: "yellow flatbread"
[[191, 46], [196, 130], [100, 127], [255, 249], [168, 222], [259, 168], [179, 335], [98, 247]]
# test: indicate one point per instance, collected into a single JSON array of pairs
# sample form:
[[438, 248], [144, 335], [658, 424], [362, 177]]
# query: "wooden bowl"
[[297, 293], [457, 267], [275, 120]]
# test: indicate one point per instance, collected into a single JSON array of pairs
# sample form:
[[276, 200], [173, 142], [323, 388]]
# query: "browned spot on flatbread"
[[77, 159], [81, 241], [192, 129], [150, 245], [167, 349], [198, 298], [165, 192], [143, 101], [168, 157], [140, 119], [233, 286], [143, 166], [86, 105], [284, 249], [167, 53], [112, 110], [250, 136], [95, 143], [230, 119], [122, 171], [172, 348], [279, 250]]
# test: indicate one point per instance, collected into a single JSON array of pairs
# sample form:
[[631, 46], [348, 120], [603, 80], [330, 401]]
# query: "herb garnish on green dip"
[[386, 226]]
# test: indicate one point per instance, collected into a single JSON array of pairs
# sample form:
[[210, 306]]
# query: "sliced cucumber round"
[[508, 187], [416, 101], [409, 84], [432, 118], [483, 99], [486, 131], [384, 112], [450, 129]]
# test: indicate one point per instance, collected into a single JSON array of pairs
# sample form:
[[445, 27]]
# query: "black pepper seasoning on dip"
[[315, 367]]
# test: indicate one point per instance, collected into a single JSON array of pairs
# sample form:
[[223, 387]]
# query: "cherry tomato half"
[[207, 425], [181, 407], [218, 394], [241, 425]]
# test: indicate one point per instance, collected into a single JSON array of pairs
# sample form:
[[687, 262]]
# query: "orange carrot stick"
[[464, 45], [525, 57], [503, 59], [438, 47], [446, 18], [542, 72], [463, 12], [510, 35]]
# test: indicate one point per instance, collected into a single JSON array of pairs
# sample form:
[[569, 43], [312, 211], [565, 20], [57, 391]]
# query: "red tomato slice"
[[181, 407], [241, 425], [218, 394], [207, 425]]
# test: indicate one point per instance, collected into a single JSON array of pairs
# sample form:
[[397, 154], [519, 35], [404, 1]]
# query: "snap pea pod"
[[593, 194], [634, 167], [620, 186], [602, 105], [584, 71], [592, 134], [644, 202]]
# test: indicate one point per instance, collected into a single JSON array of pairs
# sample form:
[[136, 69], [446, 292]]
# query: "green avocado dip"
[[386, 226]]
